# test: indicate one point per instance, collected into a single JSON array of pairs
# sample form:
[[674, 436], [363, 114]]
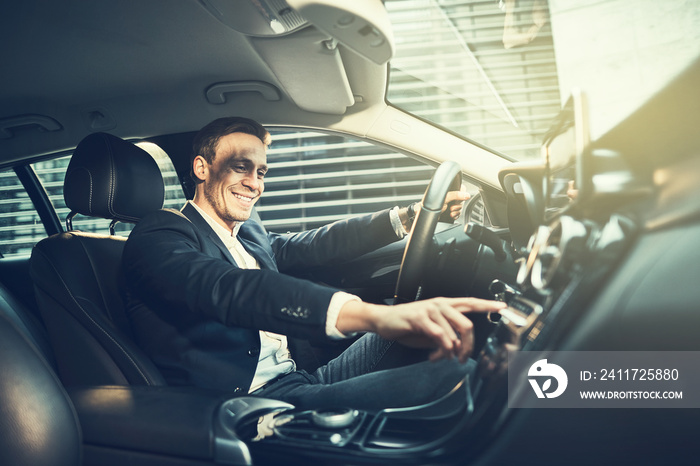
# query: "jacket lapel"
[[264, 258], [251, 239], [194, 217]]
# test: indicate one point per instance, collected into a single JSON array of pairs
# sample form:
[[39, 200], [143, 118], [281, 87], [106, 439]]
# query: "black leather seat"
[[38, 424], [77, 275]]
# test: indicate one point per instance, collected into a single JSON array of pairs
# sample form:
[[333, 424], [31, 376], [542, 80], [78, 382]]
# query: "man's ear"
[[200, 168]]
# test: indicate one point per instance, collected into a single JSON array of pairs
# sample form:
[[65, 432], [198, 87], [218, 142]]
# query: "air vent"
[[477, 213]]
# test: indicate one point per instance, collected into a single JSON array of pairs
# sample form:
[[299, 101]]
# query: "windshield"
[[498, 72]]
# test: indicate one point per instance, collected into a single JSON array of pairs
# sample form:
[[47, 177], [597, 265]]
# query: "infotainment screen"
[[563, 148]]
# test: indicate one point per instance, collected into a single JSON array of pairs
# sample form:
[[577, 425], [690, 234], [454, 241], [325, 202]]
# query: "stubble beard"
[[219, 205]]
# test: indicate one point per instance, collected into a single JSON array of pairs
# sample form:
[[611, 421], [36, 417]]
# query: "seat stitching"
[[110, 199], [90, 198]]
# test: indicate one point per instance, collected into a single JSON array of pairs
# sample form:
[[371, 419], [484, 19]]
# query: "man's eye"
[[240, 168], [261, 174]]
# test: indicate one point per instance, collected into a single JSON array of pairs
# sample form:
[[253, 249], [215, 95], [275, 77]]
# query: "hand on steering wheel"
[[420, 240], [452, 208]]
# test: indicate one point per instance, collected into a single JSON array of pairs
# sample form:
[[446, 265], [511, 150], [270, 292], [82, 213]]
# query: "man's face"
[[234, 181]]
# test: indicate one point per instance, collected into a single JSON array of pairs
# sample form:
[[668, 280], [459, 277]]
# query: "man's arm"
[[347, 239], [175, 269], [338, 242], [438, 322]]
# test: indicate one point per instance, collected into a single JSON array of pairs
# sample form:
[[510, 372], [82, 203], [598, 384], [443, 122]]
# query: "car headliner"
[[141, 69]]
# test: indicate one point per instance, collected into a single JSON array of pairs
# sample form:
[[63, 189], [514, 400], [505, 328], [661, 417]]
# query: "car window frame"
[[40, 198]]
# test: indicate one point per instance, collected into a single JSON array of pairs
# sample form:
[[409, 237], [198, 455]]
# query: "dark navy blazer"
[[197, 314]]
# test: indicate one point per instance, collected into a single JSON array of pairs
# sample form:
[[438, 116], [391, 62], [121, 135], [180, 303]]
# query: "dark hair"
[[206, 140]]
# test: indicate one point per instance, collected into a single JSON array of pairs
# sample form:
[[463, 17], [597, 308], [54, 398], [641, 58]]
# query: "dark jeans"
[[353, 379]]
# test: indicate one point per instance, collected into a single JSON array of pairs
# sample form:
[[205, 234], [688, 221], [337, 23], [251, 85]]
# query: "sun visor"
[[309, 68], [360, 25]]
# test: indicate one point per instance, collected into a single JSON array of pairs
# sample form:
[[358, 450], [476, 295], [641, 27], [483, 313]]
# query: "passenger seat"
[[77, 275]]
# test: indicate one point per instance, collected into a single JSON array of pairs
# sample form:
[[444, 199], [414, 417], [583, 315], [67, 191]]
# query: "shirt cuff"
[[396, 223], [338, 300]]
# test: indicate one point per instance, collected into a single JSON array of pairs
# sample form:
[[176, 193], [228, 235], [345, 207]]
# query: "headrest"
[[110, 178]]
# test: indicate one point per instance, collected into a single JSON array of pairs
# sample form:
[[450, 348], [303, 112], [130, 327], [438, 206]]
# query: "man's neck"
[[213, 220]]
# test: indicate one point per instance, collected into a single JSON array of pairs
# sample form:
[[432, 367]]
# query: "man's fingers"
[[465, 328], [442, 332], [456, 196], [453, 202], [438, 324], [446, 319], [440, 321], [475, 304], [457, 338], [451, 311]]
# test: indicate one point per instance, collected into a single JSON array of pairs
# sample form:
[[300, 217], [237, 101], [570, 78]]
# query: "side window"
[[174, 196], [317, 178], [20, 226]]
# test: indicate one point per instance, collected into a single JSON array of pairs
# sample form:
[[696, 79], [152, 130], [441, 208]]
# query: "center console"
[[343, 434]]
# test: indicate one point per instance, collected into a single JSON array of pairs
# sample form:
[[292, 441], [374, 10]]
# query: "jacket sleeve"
[[338, 242], [175, 269]]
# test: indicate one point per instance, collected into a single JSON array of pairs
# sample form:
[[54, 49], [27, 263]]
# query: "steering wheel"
[[420, 240]]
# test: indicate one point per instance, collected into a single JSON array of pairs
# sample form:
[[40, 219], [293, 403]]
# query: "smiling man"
[[211, 304]]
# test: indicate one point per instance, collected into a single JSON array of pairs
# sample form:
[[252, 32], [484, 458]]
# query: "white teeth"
[[243, 198]]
